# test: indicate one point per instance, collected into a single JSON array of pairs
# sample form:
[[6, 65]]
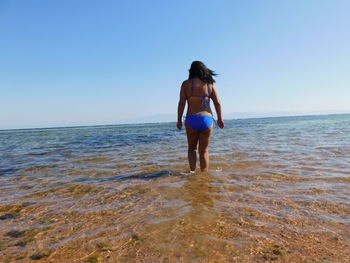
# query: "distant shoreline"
[[160, 122]]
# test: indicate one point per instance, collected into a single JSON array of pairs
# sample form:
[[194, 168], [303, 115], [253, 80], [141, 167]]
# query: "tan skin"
[[195, 138]]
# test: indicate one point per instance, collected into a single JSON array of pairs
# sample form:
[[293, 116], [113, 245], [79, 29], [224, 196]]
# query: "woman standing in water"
[[197, 91]]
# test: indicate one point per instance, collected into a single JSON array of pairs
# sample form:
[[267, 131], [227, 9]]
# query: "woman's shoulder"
[[186, 83]]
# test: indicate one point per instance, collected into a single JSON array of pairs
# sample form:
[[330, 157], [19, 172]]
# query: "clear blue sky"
[[84, 62]]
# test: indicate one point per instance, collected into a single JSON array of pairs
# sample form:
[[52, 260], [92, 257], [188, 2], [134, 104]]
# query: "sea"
[[277, 189]]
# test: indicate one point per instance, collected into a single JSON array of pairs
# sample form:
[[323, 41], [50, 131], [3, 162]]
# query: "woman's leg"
[[192, 139], [204, 139]]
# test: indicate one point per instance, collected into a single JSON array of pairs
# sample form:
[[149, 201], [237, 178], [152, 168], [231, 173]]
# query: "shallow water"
[[278, 189]]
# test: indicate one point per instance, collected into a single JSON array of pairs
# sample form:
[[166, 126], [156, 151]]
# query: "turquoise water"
[[58, 181], [289, 139]]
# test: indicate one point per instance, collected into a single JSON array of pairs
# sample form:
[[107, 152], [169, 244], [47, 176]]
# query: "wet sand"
[[205, 217]]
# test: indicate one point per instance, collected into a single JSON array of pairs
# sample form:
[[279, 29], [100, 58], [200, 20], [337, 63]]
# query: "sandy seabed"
[[176, 217]]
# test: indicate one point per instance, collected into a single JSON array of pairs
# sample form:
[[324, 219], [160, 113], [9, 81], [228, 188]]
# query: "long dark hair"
[[200, 70]]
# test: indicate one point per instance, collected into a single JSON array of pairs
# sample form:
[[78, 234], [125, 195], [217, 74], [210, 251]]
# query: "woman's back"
[[198, 97]]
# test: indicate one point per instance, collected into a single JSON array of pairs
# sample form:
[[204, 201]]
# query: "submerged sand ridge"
[[277, 191]]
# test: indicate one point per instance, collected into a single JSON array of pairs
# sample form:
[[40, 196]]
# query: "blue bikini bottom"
[[199, 122]]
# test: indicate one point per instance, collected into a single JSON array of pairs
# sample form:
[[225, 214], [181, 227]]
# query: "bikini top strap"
[[191, 87], [208, 89]]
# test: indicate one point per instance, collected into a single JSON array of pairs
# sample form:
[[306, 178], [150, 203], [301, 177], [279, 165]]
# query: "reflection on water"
[[278, 190]]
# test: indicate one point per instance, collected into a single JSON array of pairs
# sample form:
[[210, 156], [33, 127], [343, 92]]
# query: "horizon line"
[[157, 122]]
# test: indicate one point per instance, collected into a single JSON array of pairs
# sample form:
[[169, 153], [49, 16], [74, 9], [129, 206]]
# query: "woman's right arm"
[[181, 106], [217, 104]]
